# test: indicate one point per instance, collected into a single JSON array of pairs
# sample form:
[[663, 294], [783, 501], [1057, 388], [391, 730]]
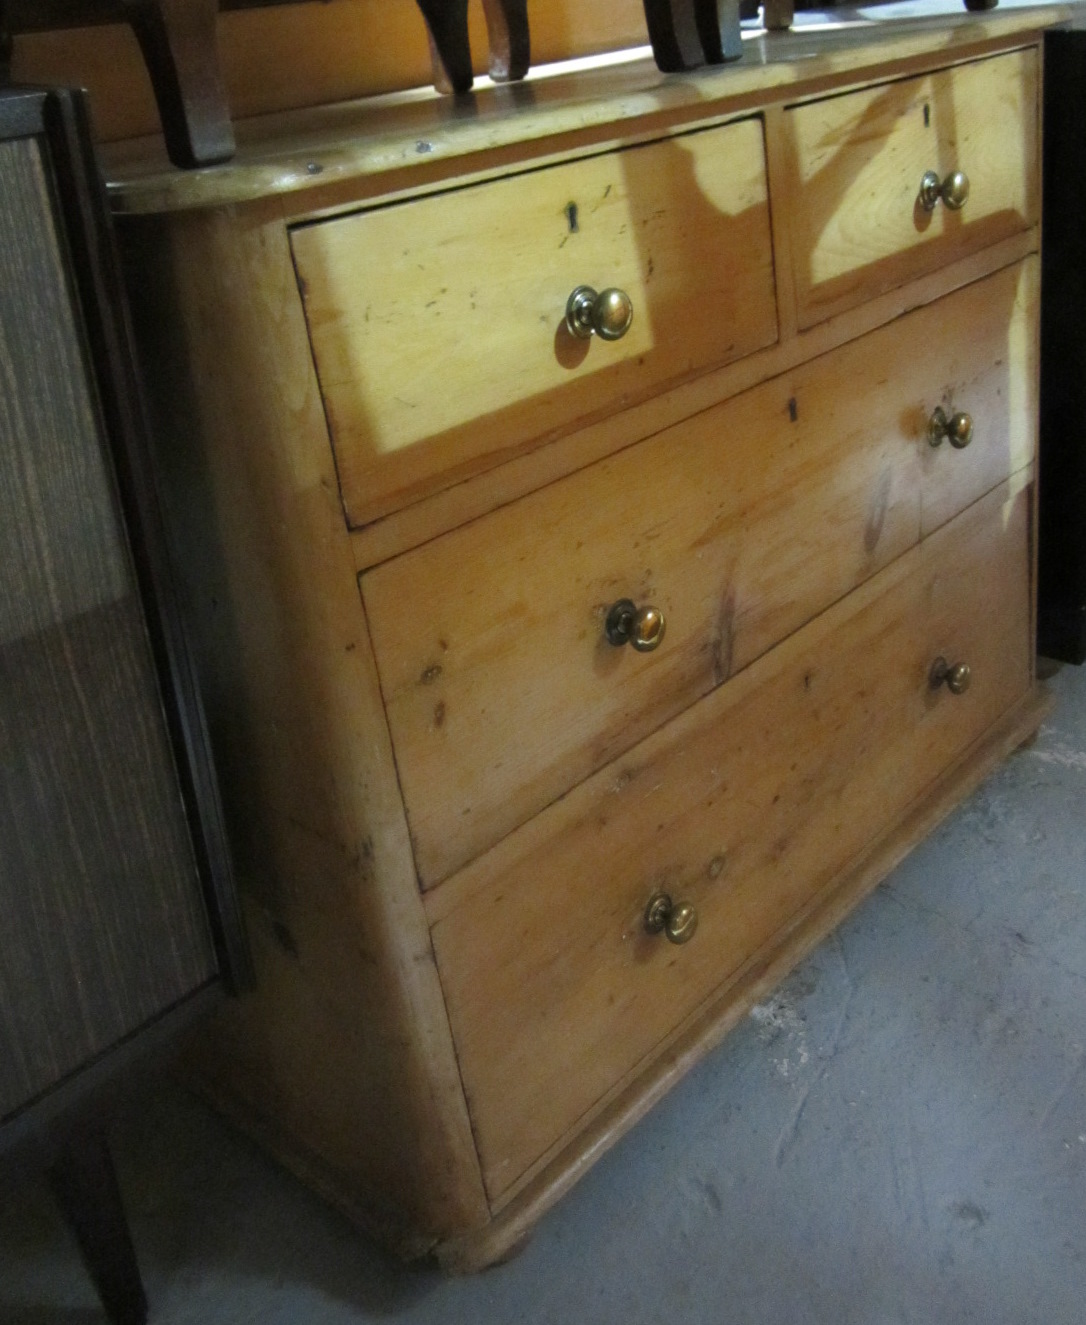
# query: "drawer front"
[[857, 165], [983, 357], [747, 806], [739, 524], [438, 325]]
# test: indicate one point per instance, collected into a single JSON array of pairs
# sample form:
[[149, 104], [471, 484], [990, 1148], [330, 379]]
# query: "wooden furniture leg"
[[718, 27], [686, 34], [507, 30], [84, 1184], [450, 52], [673, 33], [178, 41], [5, 44], [779, 14]]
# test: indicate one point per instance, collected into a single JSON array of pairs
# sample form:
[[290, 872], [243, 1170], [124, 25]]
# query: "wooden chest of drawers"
[[507, 875]]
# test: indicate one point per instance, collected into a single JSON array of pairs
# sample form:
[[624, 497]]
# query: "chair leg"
[[673, 31], [686, 34], [510, 45], [450, 51], [84, 1184], [718, 26], [779, 14], [5, 44], [180, 48]]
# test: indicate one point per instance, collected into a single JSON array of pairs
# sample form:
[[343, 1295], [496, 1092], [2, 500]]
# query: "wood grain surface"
[[345, 1041], [433, 516], [103, 918], [633, 1097], [857, 162], [439, 355], [739, 524], [747, 806], [446, 1064]]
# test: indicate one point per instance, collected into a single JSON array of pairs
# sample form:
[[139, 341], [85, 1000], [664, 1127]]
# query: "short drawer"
[[438, 325], [747, 807], [740, 524], [858, 160]]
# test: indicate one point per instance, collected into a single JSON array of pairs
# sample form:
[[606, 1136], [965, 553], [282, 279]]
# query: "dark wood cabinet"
[[120, 922], [1061, 591]]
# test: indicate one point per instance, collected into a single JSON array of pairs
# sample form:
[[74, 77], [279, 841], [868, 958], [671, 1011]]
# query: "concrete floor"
[[898, 1136]]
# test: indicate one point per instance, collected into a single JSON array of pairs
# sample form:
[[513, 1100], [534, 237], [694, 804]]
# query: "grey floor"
[[898, 1136]]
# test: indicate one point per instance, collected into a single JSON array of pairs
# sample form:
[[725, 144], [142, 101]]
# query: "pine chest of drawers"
[[573, 675]]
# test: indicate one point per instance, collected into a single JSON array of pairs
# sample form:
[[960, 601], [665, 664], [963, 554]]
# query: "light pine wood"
[[700, 1033], [345, 1040], [746, 806], [445, 1100], [858, 161], [682, 226], [739, 524], [432, 516], [988, 366], [777, 164]]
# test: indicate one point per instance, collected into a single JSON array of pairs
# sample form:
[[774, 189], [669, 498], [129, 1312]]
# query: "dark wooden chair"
[[688, 33], [180, 48]]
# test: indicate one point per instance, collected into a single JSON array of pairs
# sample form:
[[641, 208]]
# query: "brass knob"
[[607, 314], [956, 676], [957, 429], [643, 627], [951, 192], [677, 920]]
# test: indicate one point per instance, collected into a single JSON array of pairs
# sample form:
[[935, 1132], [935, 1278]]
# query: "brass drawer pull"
[[677, 920], [956, 676], [951, 192], [957, 429], [607, 314], [643, 627]]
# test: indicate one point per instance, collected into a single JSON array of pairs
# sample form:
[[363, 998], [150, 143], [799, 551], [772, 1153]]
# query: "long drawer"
[[747, 807], [859, 225], [438, 325], [739, 525]]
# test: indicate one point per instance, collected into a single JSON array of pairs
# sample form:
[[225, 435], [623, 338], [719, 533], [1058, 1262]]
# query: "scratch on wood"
[[724, 638], [880, 504]]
